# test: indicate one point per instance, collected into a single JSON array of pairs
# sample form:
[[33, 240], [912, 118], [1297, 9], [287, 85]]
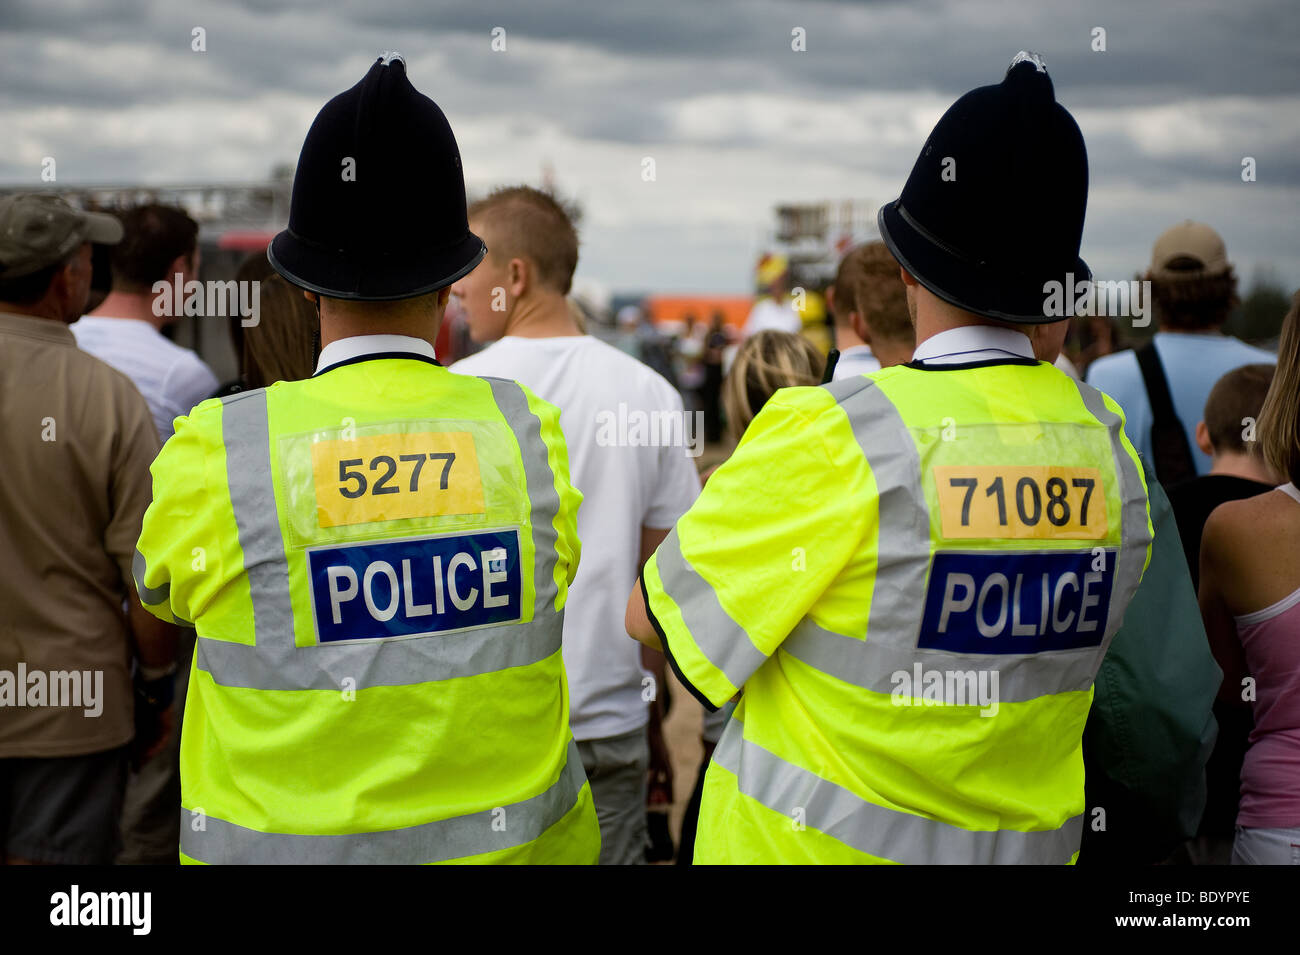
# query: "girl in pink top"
[[1250, 599]]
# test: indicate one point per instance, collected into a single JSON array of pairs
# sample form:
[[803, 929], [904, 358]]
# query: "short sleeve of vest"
[[568, 548], [180, 539], [771, 530]]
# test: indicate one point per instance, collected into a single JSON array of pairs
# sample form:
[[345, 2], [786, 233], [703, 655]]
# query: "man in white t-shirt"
[[631, 454], [161, 242]]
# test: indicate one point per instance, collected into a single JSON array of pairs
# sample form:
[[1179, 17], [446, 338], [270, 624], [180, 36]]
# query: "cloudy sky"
[[735, 120]]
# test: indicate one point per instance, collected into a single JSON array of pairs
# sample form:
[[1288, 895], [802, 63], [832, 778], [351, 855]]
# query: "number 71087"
[[1021, 502]]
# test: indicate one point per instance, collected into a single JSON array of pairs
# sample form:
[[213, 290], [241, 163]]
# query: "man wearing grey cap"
[[77, 440], [1163, 386]]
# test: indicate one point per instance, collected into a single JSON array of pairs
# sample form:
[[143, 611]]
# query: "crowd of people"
[[173, 585]]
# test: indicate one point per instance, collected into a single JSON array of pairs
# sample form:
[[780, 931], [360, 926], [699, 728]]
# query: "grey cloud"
[[617, 76]]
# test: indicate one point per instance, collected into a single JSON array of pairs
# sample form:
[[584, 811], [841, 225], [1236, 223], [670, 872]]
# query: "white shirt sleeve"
[[677, 483]]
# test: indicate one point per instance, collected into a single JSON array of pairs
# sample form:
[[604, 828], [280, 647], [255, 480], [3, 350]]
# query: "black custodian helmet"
[[378, 207], [993, 209]]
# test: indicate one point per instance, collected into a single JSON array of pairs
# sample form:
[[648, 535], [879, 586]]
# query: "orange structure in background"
[[673, 309]]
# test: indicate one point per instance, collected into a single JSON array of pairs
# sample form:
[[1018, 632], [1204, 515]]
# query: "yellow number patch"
[[385, 477], [1021, 502]]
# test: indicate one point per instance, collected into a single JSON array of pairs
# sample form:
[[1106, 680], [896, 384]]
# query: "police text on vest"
[[1016, 602], [416, 586]]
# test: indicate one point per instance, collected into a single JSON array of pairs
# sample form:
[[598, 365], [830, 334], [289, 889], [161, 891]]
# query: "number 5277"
[[353, 482], [387, 477]]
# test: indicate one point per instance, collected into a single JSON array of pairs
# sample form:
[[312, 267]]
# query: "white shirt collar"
[[973, 343], [345, 349], [855, 351]]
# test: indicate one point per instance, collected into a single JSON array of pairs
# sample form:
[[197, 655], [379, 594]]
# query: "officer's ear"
[[907, 277]]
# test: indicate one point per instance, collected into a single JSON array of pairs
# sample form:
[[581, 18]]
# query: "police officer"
[[375, 559], [914, 574]]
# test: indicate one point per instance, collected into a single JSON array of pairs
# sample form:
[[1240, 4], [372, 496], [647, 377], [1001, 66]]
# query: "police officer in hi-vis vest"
[[375, 559], [911, 576]]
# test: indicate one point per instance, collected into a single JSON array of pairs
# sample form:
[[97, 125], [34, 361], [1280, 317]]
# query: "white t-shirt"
[[171, 378], [769, 313], [857, 360], [611, 406]]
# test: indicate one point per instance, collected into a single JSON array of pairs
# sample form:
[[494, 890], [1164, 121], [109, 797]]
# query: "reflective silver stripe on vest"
[[903, 542], [441, 841], [527, 428], [442, 656], [872, 665], [151, 596], [246, 435], [1134, 535], [876, 830], [720, 638]]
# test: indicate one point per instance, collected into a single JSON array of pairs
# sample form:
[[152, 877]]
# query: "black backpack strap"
[[1172, 455]]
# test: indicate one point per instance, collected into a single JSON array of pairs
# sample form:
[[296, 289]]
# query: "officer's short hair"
[[1236, 396], [154, 236], [526, 223], [868, 283]]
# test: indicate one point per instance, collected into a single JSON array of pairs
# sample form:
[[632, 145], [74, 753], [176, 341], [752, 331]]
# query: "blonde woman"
[[1250, 599], [765, 363]]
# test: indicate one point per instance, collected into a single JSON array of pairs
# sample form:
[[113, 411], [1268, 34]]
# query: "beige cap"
[[40, 229], [1189, 240]]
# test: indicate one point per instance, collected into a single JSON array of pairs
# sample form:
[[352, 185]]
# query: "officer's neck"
[[542, 317], [339, 320], [934, 316]]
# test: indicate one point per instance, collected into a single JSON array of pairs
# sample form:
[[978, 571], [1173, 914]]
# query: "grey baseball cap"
[[40, 229]]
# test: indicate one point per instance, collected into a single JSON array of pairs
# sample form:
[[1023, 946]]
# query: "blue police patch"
[[417, 586], [1012, 602]]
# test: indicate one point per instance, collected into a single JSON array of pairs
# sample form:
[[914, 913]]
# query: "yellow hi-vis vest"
[[376, 562], [913, 576]]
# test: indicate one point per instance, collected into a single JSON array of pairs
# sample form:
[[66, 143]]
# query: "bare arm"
[[635, 619], [652, 657], [1216, 555], [651, 538], [155, 641]]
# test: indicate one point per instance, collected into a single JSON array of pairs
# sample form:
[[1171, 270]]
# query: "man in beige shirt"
[[77, 441]]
